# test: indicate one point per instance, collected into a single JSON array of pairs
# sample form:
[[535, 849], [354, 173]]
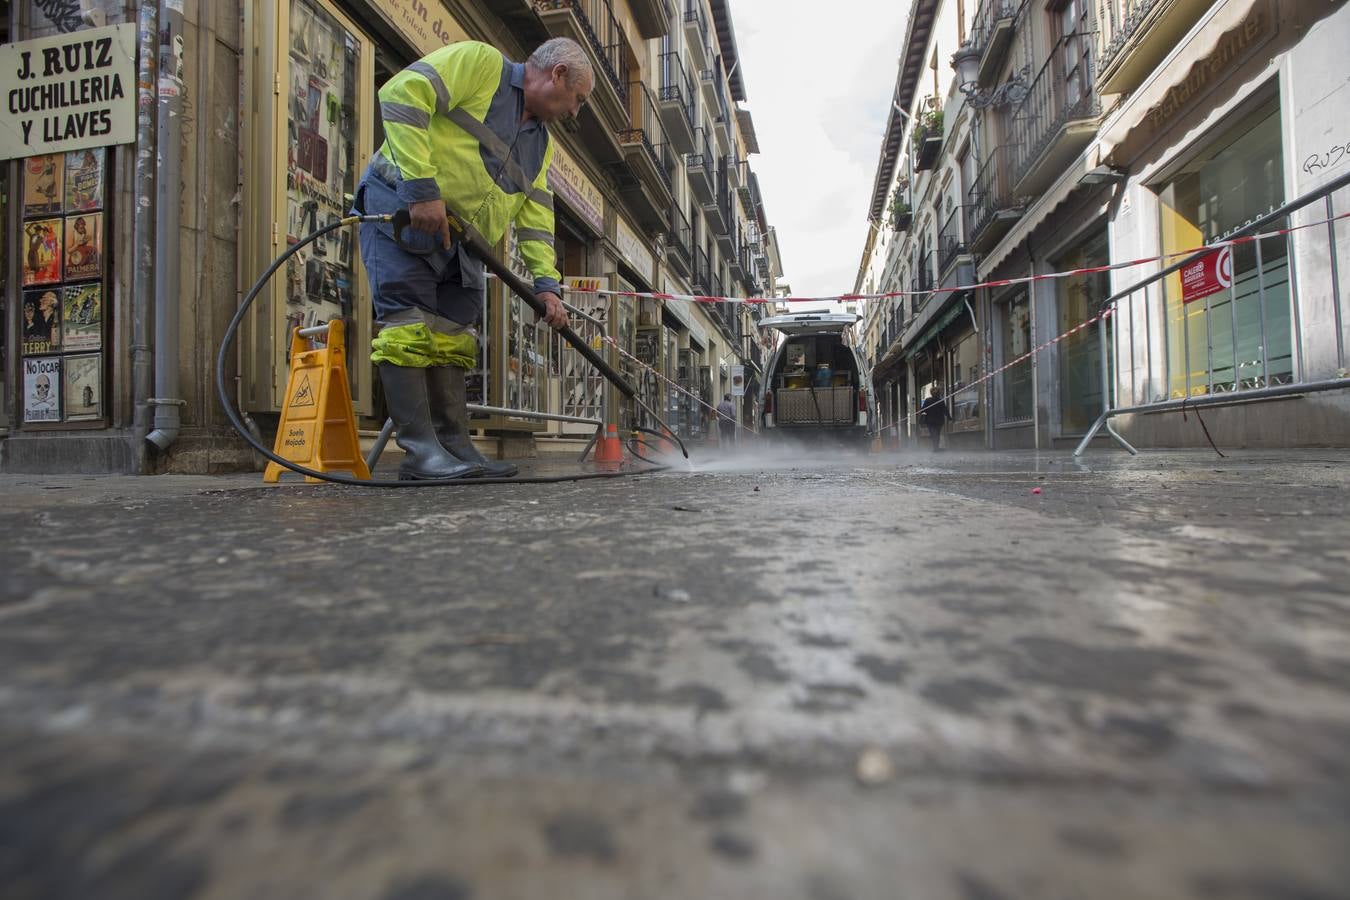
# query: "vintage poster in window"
[[84, 246], [84, 387], [320, 143], [41, 322], [84, 180], [42, 242], [43, 184], [42, 389], [82, 317]]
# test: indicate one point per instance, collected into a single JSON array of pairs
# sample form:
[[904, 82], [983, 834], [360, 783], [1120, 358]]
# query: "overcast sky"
[[818, 81]]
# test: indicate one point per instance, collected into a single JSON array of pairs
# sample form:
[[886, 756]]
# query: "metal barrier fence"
[[1257, 351]]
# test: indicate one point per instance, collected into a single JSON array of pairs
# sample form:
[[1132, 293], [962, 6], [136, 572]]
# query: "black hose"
[[237, 421], [633, 443]]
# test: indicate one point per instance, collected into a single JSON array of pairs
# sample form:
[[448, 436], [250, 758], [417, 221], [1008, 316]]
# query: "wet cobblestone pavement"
[[863, 677]]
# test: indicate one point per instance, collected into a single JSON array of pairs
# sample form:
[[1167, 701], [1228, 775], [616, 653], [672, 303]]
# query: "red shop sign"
[[1208, 275]]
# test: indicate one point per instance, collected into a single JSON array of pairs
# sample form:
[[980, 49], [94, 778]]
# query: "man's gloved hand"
[[555, 313], [428, 217]]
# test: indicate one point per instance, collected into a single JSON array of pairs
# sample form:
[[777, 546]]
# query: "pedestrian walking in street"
[[465, 128], [934, 415], [726, 421]]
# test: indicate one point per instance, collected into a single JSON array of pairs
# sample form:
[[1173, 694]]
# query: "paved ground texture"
[[870, 677]]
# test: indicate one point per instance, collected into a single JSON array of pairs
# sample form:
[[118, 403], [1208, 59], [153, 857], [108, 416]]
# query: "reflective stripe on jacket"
[[453, 132]]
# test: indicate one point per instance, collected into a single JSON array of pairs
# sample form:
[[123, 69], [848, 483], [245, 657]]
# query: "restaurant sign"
[[568, 181], [1232, 48], [426, 24]]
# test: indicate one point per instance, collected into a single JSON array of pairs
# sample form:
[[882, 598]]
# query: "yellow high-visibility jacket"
[[453, 132]]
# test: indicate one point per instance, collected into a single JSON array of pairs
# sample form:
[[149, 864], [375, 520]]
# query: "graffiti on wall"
[[64, 14]]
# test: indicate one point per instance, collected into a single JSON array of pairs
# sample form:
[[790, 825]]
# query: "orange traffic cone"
[[609, 449]]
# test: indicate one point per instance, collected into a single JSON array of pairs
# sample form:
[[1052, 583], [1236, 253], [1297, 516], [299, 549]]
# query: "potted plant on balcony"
[[901, 214], [927, 138]]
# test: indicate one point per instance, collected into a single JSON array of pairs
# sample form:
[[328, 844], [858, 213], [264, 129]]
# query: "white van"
[[816, 383]]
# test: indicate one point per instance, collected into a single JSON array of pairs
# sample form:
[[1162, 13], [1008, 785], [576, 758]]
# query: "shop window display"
[[689, 417], [1079, 298], [303, 157], [1016, 340], [1237, 179], [648, 352], [625, 333], [671, 371], [4, 296], [924, 376], [965, 369], [320, 164], [61, 322]]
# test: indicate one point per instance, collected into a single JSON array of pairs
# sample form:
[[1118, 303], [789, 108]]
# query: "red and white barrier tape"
[[998, 282]]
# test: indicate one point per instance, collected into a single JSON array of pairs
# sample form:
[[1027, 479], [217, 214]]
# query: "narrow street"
[[995, 675]]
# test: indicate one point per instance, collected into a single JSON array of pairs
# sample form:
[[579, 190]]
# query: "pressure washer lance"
[[401, 220]]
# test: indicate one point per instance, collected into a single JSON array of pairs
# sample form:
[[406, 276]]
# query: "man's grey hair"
[[561, 51]]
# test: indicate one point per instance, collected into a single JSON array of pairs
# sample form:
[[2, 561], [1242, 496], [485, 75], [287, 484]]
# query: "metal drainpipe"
[[168, 247], [143, 274]]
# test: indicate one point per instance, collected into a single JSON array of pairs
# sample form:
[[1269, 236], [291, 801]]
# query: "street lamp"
[[966, 63]]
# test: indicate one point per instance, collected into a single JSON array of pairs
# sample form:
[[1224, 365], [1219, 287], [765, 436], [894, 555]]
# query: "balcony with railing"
[[652, 17], [642, 138], [717, 209], [702, 167], [731, 318], [1136, 35], [676, 101], [762, 268], [680, 242], [591, 23], [894, 327], [696, 34], [922, 283], [1058, 116], [734, 171], [993, 207], [736, 255], [991, 34], [730, 243], [752, 252], [723, 128], [702, 272], [952, 240], [926, 140], [743, 176], [710, 80]]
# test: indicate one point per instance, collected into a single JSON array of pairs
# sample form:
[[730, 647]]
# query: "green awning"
[[954, 311]]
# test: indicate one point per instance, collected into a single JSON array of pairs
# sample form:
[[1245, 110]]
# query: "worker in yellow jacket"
[[464, 128]]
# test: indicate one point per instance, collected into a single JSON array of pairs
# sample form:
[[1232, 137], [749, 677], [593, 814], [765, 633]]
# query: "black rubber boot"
[[450, 416], [405, 393]]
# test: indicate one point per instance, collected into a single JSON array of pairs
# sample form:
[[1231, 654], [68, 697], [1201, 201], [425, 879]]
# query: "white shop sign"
[[69, 92]]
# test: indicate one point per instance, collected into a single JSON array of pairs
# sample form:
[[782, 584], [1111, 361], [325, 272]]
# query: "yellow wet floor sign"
[[318, 425]]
